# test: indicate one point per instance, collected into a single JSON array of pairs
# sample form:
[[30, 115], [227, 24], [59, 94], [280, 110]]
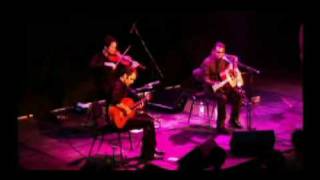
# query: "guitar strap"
[[219, 68]]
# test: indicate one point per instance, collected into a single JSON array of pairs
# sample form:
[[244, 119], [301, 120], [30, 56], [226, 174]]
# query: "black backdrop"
[[60, 48]]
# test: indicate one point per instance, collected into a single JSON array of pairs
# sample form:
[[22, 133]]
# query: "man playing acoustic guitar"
[[123, 111], [221, 78]]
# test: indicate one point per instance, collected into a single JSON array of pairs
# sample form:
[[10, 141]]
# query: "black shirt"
[[101, 72], [103, 76], [119, 91], [213, 67]]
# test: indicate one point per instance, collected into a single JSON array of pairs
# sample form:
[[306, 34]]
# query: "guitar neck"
[[219, 85], [138, 103]]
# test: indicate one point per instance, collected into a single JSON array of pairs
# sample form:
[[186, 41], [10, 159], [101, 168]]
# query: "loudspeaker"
[[98, 164], [153, 168], [202, 157], [170, 101], [298, 140], [252, 143]]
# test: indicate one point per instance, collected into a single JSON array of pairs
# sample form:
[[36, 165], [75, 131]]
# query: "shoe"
[[144, 159], [150, 158], [157, 156], [87, 124], [222, 130], [235, 124], [158, 152]]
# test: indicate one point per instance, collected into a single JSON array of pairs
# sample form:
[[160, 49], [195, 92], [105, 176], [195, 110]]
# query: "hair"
[[109, 39], [220, 44]]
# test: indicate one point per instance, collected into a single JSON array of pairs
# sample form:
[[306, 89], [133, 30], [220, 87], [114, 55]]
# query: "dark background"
[[59, 48]]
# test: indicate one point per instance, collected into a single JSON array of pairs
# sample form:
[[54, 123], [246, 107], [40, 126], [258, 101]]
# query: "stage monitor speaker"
[[98, 164], [252, 143], [169, 100], [206, 155]]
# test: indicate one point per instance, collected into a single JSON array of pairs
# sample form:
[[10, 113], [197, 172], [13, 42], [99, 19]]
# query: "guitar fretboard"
[[138, 103]]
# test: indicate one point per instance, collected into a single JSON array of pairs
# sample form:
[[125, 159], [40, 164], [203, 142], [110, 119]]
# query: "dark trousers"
[[224, 96], [149, 137]]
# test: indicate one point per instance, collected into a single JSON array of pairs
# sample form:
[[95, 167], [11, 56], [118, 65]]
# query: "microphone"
[[153, 83], [250, 68], [148, 86], [234, 60]]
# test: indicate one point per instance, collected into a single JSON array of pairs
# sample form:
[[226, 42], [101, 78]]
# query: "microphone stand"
[[249, 103], [248, 95], [234, 60], [135, 29], [251, 69]]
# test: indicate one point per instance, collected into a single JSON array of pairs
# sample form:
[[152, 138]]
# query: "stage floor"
[[280, 109]]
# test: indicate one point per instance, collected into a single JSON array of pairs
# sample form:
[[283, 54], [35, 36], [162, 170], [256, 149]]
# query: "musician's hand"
[[110, 64], [233, 73], [134, 64], [127, 109], [114, 67], [235, 58], [141, 105], [148, 96], [225, 72], [213, 82]]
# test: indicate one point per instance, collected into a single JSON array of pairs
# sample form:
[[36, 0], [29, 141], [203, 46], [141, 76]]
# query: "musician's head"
[[110, 44], [218, 50], [128, 75]]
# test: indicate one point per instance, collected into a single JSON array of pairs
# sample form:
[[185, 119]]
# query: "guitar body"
[[118, 115], [232, 79]]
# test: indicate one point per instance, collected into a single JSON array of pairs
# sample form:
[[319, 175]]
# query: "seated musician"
[[222, 78], [120, 108]]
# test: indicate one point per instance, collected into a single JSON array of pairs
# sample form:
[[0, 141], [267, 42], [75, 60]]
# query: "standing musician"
[[105, 63], [123, 111], [222, 80]]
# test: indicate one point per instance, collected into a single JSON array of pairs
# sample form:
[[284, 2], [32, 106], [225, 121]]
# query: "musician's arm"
[[96, 62], [117, 93], [224, 73], [126, 108], [206, 73], [208, 80], [133, 94]]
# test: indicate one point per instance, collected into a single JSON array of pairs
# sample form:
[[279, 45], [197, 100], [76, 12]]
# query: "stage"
[[58, 147]]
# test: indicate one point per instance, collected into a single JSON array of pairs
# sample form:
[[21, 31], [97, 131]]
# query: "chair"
[[198, 96], [100, 129]]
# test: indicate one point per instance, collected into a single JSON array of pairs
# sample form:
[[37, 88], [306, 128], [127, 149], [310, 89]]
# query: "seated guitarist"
[[120, 91], [216, 69]]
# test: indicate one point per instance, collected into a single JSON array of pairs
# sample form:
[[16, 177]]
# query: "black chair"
[[105, 126], [198, 95]]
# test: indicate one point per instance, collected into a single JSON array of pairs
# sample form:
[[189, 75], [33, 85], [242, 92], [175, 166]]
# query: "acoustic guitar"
[[119, 115], [232, 80]]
